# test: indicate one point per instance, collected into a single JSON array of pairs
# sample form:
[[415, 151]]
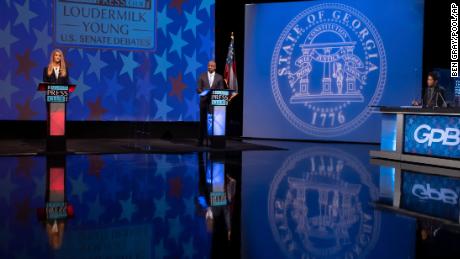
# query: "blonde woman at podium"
[[56, 71]]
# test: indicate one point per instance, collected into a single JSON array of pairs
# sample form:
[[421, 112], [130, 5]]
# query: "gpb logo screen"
[[432, 195], [432, 135], [426, 192]]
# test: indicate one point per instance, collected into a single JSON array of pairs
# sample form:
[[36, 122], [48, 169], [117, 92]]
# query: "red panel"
[[56, 180], [57, 119]]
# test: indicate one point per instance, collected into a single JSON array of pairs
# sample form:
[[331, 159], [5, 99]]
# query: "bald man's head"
[[211, 66]]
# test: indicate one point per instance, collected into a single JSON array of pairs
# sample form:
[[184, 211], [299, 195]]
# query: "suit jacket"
[[434, 97], [203, 84], [52, 78]]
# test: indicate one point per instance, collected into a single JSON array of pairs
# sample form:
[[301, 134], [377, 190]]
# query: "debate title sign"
[[105, 23]]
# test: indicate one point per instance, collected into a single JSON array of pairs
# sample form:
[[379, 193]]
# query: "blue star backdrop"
[[132, 206], [113, 84]]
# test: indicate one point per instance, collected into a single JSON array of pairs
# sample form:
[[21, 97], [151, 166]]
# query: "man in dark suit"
[[207, 80], [433, 96], [434, 93]]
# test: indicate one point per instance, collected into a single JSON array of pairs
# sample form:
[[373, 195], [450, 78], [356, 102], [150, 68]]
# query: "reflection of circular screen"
[[328, 67], [318, 205]]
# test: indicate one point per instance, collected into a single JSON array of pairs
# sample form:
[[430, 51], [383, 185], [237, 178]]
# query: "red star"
[[25, 112], [23, 210], [175, 187], [177, 86], [25, 165], [146, 66], [25, 64], [96, 109], [177, 4], [96, 164]]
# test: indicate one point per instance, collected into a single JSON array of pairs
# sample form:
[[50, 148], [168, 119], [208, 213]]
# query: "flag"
[[230, 67]]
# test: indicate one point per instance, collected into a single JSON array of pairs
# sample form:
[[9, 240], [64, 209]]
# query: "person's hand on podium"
[[232, 95], [416, 103]]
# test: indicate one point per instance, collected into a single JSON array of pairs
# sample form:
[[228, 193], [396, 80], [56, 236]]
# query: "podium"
[[218, 101], [57, 96]]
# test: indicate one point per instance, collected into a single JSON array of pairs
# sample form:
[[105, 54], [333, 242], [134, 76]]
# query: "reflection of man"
[[207, 80], [218, 209], [434, 93]]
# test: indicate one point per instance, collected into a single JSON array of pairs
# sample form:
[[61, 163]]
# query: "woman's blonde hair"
[[62, 70]]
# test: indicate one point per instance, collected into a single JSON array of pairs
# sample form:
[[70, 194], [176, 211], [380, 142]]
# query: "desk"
[[420, 135]]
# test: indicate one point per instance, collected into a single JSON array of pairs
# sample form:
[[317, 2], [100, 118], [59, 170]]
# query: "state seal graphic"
[[318, 206], [328, 67]]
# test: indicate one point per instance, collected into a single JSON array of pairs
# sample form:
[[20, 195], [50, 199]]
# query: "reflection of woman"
[[55, 231], [56, 71]]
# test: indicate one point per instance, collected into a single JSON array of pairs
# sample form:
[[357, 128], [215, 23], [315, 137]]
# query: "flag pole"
[[230, 76]]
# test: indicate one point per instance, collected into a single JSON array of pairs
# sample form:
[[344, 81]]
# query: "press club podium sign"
[[217, 113], [57, 96]]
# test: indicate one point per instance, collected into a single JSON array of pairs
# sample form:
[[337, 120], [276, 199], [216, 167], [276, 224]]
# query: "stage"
[[331, 129], [21, 147]]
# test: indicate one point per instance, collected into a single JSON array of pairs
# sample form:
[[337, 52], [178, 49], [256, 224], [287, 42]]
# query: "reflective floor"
[[309, 200]]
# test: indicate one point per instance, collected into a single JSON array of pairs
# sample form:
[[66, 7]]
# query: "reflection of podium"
[[57, 210], [218, 101], [57, 96]]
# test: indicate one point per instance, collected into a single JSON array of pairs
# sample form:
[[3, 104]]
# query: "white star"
[[163, 166], [78, 187], [40, 187], [129, 64], [189, 250], [81, 89], [192, 22], [43, 39], [160, 250], [96, 64], [128, 208], [7, 89], [38, 94], [162, 108], [161, 207], [24, 15], [7, 39]]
